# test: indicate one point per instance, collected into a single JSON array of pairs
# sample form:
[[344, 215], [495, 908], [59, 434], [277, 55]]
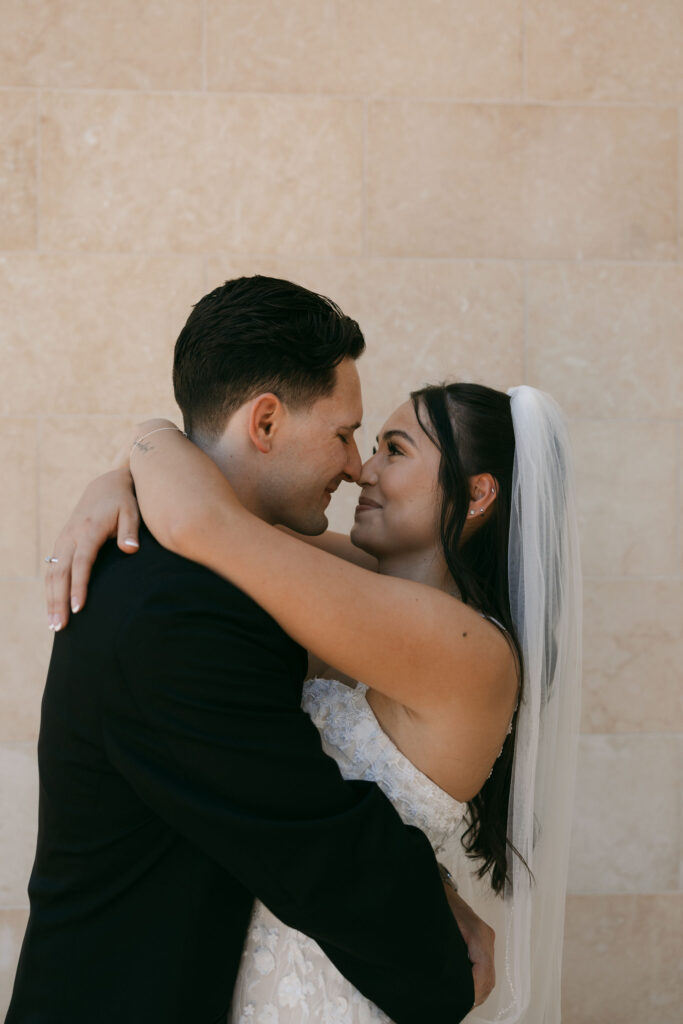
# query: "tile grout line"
[[204, 42], [524, 51], [39, 168], [503, 101], [525, 323], [621, 893], [364, 182], [644, 735], [635, 578], [587, 418], [677, 499], [570, 261], [679, 190], [39, 472]]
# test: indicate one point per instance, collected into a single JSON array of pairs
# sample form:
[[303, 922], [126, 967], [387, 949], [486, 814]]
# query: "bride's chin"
[[355, 539], [359, 539], [356, 536]]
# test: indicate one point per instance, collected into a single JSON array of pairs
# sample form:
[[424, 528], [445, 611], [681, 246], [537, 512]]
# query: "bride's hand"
[[107, 509], [480, 941]]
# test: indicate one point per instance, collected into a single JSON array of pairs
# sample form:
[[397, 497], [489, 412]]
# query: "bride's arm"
[[338, 544], [411, 642], [108, 509]]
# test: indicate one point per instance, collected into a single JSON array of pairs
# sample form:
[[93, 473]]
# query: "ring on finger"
[[52, 559]]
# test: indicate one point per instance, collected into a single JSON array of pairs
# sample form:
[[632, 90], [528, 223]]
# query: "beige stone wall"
[[494, 189]]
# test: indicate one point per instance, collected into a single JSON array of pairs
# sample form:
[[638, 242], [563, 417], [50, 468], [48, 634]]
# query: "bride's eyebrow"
[[396, 433]]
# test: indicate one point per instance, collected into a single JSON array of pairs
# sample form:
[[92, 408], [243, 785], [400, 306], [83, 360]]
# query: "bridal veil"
[[546, 600]]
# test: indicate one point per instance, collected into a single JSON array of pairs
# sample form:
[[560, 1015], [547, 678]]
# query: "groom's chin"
[[310, 524], [320, 525]]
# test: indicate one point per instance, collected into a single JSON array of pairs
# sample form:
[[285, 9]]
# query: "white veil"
[[545, 599]]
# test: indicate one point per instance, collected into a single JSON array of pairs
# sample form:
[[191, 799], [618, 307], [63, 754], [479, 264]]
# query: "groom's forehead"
[[342, 407], [347, 389]]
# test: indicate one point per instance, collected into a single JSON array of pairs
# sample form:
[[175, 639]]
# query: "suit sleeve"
[[217, 745]]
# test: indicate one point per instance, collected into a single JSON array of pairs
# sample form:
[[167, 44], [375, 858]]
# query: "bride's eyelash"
[[393, 449]]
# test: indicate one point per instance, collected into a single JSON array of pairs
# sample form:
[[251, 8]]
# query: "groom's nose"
[[353, 463]]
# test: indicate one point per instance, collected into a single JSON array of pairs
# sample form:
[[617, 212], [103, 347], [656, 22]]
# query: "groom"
[[179, 777]]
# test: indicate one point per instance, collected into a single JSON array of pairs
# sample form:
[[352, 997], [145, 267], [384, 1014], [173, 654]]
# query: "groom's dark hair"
[[258, 334]]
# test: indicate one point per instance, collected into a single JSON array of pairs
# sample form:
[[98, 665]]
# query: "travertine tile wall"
[[494, 189]]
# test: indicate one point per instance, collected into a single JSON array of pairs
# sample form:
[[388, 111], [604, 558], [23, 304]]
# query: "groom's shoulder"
[[159, 615], [158, 582], [150, 567]]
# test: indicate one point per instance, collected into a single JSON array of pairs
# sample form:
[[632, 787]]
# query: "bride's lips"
[[366, 505]]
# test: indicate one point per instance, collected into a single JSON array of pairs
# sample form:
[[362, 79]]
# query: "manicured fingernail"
[[130, 543], [54, 623], [75, 606]]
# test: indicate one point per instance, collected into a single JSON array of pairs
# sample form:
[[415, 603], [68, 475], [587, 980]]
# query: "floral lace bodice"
[[285, 978], [354, 738]]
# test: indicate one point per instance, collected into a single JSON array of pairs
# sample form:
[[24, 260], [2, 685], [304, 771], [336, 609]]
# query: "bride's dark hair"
[[471, 426]]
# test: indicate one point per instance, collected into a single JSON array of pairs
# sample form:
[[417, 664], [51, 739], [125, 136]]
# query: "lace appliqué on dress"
[[285, 978]]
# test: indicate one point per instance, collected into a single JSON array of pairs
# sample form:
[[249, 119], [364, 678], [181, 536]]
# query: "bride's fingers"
[[484, 982], [84, 557], [58, 586], [127, 533]]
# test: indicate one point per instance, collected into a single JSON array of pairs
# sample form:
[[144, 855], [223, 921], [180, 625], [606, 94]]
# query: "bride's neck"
[[421, 567]]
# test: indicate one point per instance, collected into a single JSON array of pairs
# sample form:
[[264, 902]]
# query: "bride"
[[456, 601]]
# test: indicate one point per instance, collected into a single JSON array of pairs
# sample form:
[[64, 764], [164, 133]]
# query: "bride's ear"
[[483, 492], [265, 417]]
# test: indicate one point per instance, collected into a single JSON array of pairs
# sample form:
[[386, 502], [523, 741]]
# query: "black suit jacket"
[[179, 778]]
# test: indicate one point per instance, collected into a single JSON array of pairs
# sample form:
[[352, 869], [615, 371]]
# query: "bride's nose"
[[368, 473]]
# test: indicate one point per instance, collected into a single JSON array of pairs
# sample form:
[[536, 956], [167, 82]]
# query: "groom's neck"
[[237, 467]]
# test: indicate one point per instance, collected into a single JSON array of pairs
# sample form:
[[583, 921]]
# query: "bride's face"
[[399, 504]]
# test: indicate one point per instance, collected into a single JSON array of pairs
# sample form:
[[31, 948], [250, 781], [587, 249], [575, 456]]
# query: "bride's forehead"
[[402, 418]]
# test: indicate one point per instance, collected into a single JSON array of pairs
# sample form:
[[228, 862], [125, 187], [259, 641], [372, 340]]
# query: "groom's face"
[[317, 452]]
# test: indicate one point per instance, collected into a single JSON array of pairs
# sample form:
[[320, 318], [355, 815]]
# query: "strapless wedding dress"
[[284, 977]]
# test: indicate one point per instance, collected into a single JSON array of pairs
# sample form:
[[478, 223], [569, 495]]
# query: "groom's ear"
[[265, 417]]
